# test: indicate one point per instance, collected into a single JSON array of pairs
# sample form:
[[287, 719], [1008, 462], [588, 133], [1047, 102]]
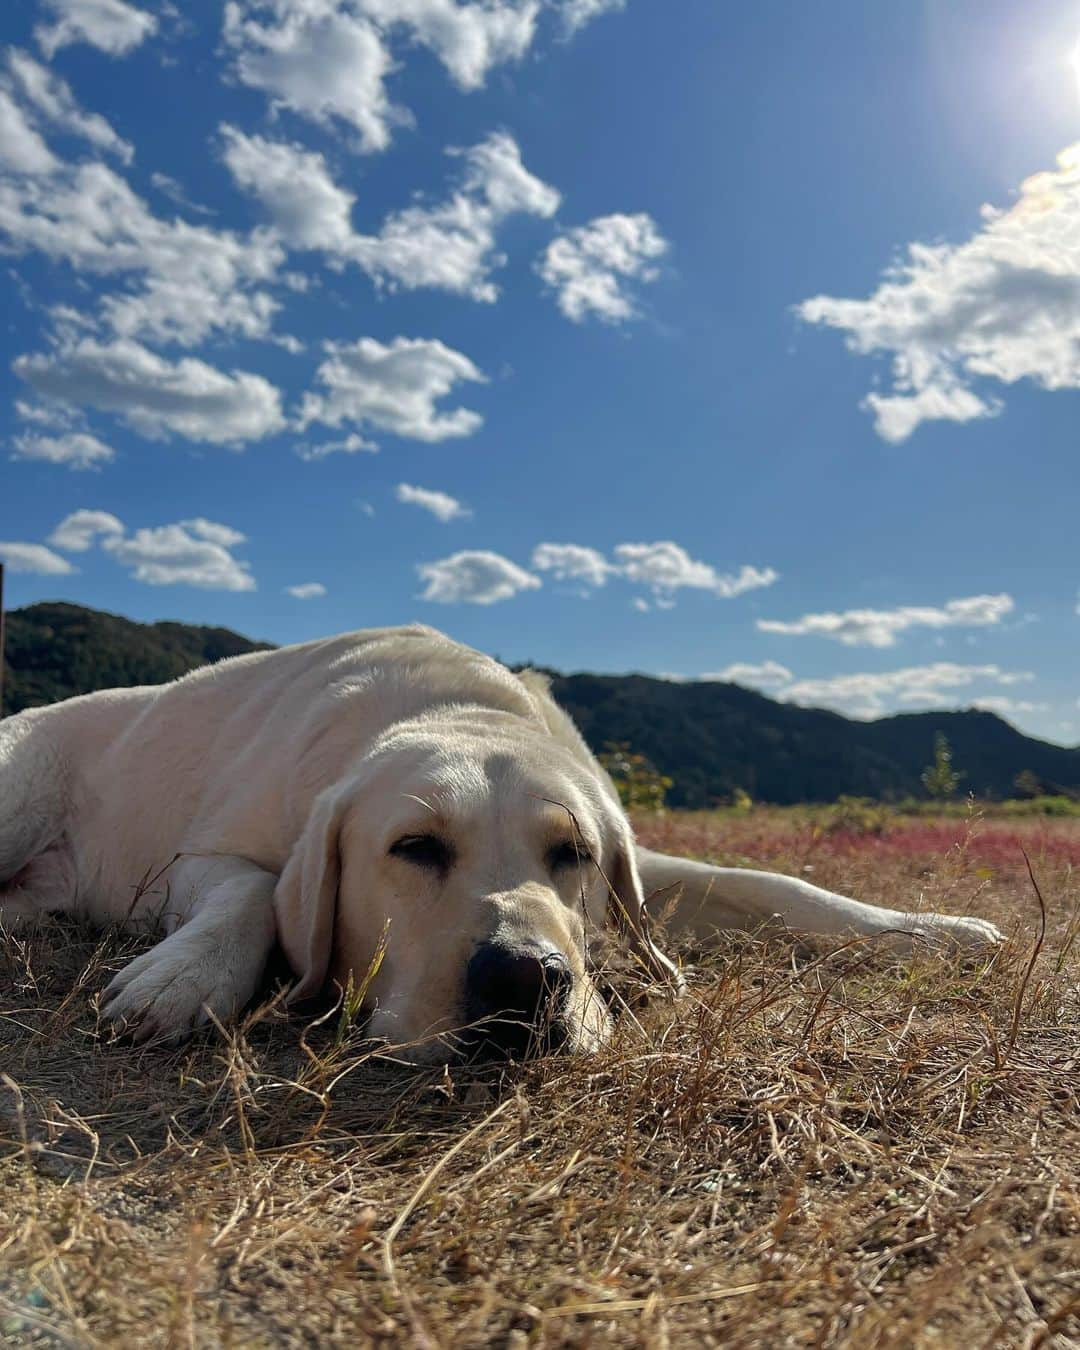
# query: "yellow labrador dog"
[[387, 790]]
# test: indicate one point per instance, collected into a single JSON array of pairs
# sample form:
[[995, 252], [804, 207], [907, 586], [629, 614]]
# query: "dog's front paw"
[[965, 932], [171, 990]]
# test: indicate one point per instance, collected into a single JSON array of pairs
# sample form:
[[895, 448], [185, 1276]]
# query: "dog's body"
[[384, 789]]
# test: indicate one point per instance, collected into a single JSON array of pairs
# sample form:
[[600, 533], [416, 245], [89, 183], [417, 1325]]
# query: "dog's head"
[[462, 872]]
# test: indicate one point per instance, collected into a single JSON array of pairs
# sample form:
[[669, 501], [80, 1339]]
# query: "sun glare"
[[1074, 64]]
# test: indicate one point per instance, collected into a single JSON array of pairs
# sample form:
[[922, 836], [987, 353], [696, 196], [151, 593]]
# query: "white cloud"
[[393, 387], [308, 209], [319, 59], [21, 147], [156, 397], [896, 416], [469, 39], [44, 415], [224, 535], [34, 558], [52, 99], [666, 567], [186, 282], [193, 280], [495, 175], [191, 553], [440, 504], [879, 627], [1005, 706], [577, 13], [174, 190], [75, 449], [79, 531], [203, 293], [111, 25], [348, 445], [308, 590], [1003, 306], [572, 562], [329, 60], [449, 245], [475, 577], [588, 267], [766, 675], [195, 552], [867, 694]]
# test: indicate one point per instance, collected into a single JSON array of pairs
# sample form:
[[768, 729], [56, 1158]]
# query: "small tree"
[[940, 779], [1027, 784], [638, 781], [741, 801]]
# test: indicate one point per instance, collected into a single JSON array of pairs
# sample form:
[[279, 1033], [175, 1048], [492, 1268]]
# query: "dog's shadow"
[[76, 1099]]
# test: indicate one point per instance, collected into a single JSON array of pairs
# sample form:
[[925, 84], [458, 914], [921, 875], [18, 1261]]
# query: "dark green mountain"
[[710, 738], [56, 650]]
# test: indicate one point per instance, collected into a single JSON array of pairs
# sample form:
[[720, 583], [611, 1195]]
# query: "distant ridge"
[[710, 738], [55, 650]]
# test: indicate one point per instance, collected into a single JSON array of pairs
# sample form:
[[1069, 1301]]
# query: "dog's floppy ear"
[[627, 901], [305, 901]]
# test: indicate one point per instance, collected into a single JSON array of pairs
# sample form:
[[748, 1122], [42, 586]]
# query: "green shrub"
[[640, 785], [856, 815], [741, 801]]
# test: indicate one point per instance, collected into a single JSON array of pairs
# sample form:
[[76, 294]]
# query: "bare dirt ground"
[[831, 1147]]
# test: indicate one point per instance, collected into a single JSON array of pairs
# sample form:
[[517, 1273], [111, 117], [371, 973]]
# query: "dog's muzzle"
[[516, 1000]]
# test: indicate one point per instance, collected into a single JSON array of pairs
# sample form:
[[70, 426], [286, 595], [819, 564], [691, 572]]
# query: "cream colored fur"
[[259, 798]]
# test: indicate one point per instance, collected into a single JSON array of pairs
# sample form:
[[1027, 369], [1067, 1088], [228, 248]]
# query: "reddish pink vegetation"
[[983, 845], [792, 841]]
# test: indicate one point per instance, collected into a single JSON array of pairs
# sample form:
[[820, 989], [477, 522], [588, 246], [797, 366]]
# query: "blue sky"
[[688, 338]]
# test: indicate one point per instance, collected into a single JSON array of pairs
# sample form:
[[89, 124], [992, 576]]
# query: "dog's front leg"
[[221, 933], [711, 898]]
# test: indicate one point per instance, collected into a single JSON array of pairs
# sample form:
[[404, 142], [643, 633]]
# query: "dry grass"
[[827, 1149]]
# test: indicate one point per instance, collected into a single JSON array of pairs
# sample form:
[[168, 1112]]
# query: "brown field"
[[831, 1147]]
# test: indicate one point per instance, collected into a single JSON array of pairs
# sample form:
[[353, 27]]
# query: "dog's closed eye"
[[424, 850], [570, 853]]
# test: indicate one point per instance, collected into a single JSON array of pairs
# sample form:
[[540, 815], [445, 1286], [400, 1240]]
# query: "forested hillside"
[[713, 738], [709, 738], [55, 650]]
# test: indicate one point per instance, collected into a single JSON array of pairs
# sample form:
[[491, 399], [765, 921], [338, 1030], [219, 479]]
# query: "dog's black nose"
[[516, 998]]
